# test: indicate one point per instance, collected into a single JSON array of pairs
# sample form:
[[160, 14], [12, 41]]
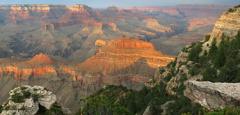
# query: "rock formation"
[[154, 25], [26, 100], [82, 9], [38, 66], [122, 53], [228, 25], [167, 10], [188, 72], [213, 96], [40, 59], [200, 22], [48, 27], [18, 12], [100, 43], [97, 28], [113, 26]]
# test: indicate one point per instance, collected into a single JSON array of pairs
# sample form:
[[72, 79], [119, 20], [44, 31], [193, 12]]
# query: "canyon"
[[116, 62], [74, 51]]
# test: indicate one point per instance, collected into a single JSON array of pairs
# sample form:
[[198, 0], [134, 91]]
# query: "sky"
[[121, 3]]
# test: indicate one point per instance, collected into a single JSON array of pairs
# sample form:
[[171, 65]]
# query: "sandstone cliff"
[[125, 53]]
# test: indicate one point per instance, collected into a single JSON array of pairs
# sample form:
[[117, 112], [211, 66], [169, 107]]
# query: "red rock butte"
[[125, 53], [40, 59]]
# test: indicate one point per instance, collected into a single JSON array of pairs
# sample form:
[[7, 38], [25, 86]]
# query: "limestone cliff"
[[213, 95], [228, 25]]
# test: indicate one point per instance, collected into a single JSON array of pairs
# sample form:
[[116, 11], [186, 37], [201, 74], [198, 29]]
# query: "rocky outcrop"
[[23, 12], [93, 28], [213, 96], [185, 71], [113, 26], [82, 9], [100, 43], [154, 25], [98, 29], [124, 53], [40, 59], [182, 67], [228, 25], [26, 100]]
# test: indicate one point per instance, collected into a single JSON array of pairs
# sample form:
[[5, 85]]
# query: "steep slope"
[[117, 56], [177, 81]]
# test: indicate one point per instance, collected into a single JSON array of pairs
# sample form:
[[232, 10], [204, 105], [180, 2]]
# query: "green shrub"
[[194, 70], [1, 108], [18, 98], [194, 52], [225, 111], [54, 110], [226, 59]]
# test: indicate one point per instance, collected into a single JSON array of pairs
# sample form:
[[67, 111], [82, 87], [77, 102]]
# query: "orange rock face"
[[100, 43], [40, 71], [40, 59], [117, 57], [125, 55], [39, 65]]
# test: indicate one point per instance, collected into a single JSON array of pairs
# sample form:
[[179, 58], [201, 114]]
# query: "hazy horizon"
[[123, 3]]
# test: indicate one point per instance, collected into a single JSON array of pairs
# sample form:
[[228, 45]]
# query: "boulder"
[[213, 96]]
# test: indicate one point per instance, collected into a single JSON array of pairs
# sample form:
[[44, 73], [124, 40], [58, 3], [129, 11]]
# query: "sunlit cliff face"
[[77, 8], [125, 53], [23, 11], [40, 8]]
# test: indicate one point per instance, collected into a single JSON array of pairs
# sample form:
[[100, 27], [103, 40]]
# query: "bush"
[[1, 108], [225, 111], [194, 70], [195, 51], [18, 98], [184, 105], [54, 110], [226, 59]]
